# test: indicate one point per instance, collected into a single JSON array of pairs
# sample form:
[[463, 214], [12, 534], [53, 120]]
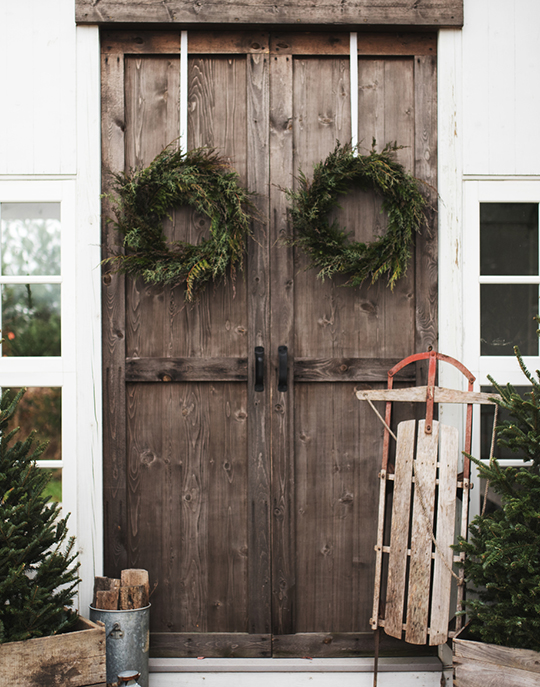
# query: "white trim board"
[[328, 678], [293, 665]]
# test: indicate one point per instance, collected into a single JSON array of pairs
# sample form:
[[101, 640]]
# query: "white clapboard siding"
[[37, 87], [501, 57]]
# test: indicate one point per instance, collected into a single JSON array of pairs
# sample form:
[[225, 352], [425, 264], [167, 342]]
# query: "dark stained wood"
[[340, 645], [258, 286], [338, 43], [425, 104], [256, 511], [347, 369], [186, 369], [282, 334], [362, 12], [252, 42], [211, 645], [113, 323]]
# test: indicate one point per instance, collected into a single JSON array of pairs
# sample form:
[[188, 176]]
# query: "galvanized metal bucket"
[[128, 641]]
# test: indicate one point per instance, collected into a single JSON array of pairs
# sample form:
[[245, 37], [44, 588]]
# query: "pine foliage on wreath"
[[145, 197], [328, 245]]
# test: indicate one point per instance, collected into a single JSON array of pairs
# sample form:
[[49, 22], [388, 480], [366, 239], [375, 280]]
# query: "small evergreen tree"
[[38, 573], [503, 551]]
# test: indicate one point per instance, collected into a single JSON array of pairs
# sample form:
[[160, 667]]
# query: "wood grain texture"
[[282, 334], [335, 474], [417, 394], [499, 655], [425, 168], [73, 659], [258, 295], [144, 41], [339, 644], [425, 470], [346, 369], [445, 535], [399, 533], [476, 673], [209, 645], [401, 12], [113, 323], [193, 463], [186, 369]]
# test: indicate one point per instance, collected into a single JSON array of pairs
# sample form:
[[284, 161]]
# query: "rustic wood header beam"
[[434, 13]]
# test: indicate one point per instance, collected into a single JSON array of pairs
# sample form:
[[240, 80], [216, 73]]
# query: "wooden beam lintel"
[[436, 13]]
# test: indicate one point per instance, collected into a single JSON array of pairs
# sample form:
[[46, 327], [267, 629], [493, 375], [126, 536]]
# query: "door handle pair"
[[282, 368]]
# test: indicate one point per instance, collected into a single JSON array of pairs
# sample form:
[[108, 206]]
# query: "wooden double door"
[[255, 511]]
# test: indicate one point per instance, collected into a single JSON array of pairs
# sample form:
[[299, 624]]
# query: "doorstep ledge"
[[293, 665]]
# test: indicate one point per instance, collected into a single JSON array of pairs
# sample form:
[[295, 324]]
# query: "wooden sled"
[[414, 562]]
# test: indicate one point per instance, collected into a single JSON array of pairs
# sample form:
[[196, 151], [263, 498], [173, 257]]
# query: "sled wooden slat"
[[418, 394], [446, 522], [425, 469], [397, 563]]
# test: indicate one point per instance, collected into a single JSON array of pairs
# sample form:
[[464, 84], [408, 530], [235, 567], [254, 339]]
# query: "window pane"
[[30, 239], [507, 318], [487, 414], [54, 489], [31, 319], [509, 238], [40, 409]]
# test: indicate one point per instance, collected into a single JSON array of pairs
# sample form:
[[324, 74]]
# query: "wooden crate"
[[73, 659], [477, 664]]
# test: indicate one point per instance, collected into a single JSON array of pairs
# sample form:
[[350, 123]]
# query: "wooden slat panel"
[[113, 305], [193, 463], [140, 41], [186, 369], [281, 328], [425, 168], [347, 369], [524, 659], [258, 291], [446, 526], [475, 673], [338, 43], [399, 533], [209, 645], [335, 473], [137, 41], [401, 12], [425, 470], [417, 394], [386, 113], [339, 645]]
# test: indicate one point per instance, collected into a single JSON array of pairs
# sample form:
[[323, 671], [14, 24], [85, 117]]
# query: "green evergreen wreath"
[[145, 197], [328, 245]]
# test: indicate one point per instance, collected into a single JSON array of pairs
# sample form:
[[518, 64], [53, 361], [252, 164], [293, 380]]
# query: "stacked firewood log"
[[131, 591]]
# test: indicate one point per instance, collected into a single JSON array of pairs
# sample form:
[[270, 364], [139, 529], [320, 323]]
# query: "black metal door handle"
[[282, 368], [259, 368]]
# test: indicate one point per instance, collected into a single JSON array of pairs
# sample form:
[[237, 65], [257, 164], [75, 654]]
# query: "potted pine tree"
[[42, 640], [501, 645]]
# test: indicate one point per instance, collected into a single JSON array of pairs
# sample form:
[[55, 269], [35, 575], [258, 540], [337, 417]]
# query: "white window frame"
[[58, 371], [503, 369]]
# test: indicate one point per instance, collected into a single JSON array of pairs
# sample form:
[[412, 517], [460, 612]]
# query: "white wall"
[[37, 79], [501, 98], [50, 150]]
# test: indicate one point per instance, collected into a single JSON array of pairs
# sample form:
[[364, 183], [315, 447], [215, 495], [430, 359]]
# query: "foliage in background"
[[328, 245], [145, 197], [38, 572], [30, 312], [503, 552]]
